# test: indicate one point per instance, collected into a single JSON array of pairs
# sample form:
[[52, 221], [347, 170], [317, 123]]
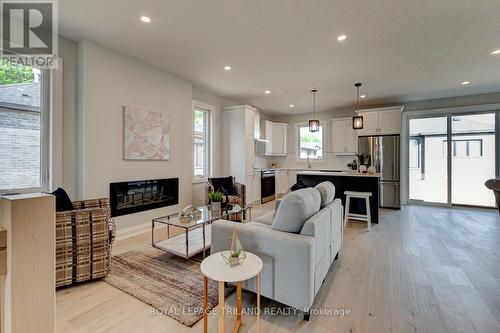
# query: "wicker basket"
[[83, 242]]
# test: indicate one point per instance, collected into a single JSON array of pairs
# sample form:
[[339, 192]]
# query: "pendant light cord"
[[357, 85], [357, 105], [314, 91]]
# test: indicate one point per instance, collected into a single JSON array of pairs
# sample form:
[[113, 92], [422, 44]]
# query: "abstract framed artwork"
[[146, 134]]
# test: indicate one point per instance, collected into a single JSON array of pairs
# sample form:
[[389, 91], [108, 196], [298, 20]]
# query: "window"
[[201, 147], [23, 124], [464, 148], [310, 143]]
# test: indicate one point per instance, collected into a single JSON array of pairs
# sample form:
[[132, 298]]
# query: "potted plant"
[[236, 255], [363, 161], [215, 199]]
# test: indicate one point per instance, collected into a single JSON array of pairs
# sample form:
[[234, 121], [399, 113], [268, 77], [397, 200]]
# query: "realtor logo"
[[29, 32]]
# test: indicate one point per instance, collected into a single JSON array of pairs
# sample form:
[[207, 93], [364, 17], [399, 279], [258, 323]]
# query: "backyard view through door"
[[473, 159], [451, 157], [428, 165]]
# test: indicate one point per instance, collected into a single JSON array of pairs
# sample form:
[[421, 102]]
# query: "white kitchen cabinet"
[[249, 124], [381, 121], [343, 137], [282, 181], [276, 137], [256, 187], [249, 156], [370, 123], [389, 122], [238, 152], [292, 177], [249, 187], [351, 138]]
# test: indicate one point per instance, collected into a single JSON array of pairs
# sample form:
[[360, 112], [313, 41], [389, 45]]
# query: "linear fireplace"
[[137, 196]]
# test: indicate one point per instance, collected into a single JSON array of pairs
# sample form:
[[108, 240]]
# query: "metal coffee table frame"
[[202, 222]]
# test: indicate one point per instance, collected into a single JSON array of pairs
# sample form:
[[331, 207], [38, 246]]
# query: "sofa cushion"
[[266, 219], [295, 209], [327, 191]]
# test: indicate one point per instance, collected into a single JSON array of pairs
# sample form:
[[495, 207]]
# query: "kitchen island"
[[348, 181]]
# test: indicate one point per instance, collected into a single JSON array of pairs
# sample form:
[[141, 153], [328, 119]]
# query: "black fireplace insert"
[[137, 196]]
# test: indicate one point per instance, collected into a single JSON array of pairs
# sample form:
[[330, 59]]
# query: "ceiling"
[[402, 50]]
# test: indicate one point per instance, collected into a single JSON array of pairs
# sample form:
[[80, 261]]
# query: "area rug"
[[171, 285]]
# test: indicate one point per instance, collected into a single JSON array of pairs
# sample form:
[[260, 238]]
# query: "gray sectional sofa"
[[297, 243]]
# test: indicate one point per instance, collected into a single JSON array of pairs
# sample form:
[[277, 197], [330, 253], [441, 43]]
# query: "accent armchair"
[[494, 185], [83, 242], [235, 193]]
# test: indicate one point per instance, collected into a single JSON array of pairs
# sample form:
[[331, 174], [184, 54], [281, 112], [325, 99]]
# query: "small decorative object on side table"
[[215, 267], [236, 256]]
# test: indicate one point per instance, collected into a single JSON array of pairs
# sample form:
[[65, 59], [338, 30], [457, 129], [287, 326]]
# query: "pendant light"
[[314, 123], [357, 121]]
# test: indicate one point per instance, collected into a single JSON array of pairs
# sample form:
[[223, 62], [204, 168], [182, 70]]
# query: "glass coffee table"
[[195, 237]]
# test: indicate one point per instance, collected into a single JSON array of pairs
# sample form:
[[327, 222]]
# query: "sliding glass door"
[[450, 156], [428, 167], [472, 159]]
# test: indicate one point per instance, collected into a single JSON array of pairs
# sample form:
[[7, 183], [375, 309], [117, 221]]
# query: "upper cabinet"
[[343, 137], [276, 136], [238, 154], [250, 124], [381, 121]]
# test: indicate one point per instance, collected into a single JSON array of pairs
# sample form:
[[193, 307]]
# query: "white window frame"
[[45, 140], [298, 126], [210, 109]]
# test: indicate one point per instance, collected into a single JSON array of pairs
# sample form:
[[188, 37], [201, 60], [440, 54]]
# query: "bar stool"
[[359, 217]]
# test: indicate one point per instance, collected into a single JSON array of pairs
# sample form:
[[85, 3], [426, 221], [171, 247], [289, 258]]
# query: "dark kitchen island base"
[[344, 183]]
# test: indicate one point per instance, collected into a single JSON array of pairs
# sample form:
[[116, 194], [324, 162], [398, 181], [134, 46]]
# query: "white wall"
[[107, 81]]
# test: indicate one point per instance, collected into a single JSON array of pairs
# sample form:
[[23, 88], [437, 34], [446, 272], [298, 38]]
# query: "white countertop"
[[341, 173]]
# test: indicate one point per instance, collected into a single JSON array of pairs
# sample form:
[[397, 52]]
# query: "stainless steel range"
[[268, 185]]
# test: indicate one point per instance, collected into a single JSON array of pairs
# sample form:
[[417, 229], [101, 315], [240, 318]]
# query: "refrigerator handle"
[[377, 154]]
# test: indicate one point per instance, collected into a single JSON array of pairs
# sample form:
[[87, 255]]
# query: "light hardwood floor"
[[422, 269]]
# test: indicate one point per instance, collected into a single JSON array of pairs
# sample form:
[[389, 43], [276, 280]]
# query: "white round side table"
[[215, 268]]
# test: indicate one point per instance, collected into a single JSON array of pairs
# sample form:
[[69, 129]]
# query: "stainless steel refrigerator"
[[384, 156]]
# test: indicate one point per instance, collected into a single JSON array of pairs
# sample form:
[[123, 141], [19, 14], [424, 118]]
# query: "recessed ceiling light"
[[267, 92], [341, 38], [227, 68], [362, 96], [496, 52], [465, 83], [145, 19], [292, 106]]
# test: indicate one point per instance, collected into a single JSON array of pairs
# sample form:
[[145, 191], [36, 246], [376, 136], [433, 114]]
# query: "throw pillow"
[[297, 186], [63, 202], [224, 184]]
